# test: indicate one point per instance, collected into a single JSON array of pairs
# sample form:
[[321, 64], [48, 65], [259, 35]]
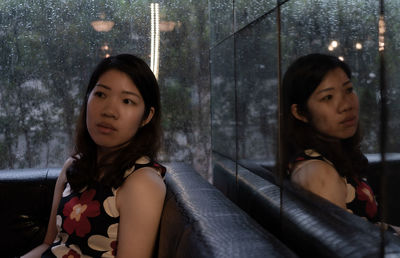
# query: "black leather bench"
[[25, 200], [197, 220], [306, 223], [390, 183]]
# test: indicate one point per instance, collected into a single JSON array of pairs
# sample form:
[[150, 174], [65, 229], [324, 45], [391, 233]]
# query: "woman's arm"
[[322, 179], [52, 227], [140, 202]]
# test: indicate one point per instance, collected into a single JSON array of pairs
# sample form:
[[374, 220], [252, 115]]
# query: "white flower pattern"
[[102, 243], [71, 251], [60, 235]]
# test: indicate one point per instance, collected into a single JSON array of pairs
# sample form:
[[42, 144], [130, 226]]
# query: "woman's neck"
[[328, 139]]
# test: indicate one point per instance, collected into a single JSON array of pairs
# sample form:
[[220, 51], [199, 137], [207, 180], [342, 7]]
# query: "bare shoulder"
[[140, 202], [146, 180], [311, 171], [146, 175], [322, 179]]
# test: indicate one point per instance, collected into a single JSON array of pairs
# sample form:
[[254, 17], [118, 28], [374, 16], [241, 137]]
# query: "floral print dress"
[[360, 197], [87, 222]]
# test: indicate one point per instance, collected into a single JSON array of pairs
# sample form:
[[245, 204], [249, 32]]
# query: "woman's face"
[[115, 111], [333, 106]]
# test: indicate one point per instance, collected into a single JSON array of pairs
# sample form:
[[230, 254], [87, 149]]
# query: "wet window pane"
[[247, 11], [185, 82], [49, 49], [223, 99], [257, 84], [221, 19]]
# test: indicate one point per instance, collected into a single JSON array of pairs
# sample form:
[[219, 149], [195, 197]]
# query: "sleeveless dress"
[[361, 200], [87, 221]]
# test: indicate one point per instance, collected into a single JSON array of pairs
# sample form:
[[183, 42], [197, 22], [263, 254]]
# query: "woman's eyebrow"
[[324, 90], [332, 88], [123, 92], [103, 86], [348, 82], [131, 93]]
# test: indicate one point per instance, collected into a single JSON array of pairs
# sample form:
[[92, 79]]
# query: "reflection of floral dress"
[[360, 198], [87, 222]]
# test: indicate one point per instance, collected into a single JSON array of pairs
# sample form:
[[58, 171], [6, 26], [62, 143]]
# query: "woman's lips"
[[350, 121], [105, 128]]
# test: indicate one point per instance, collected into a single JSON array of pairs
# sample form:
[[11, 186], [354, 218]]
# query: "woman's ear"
[[295, 112], [149, 117]]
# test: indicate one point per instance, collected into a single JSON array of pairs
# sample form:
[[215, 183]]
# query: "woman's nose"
[[346, 103], [110, 109]]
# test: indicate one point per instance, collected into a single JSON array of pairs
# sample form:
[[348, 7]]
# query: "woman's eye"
[[327, 97], [128, 101], [99, 94], [349, 90]]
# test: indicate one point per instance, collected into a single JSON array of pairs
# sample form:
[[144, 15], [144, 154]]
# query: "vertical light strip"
[[382, 29], [152, 38], [155, 38]]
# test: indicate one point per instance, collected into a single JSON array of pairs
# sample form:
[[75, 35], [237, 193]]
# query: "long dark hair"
[[300, 80], [86, 167]]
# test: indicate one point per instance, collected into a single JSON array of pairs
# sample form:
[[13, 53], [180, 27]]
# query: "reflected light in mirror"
[[105, 47], [382, 29], [333, 45], [102, 25], [358, 45], [341, 58]]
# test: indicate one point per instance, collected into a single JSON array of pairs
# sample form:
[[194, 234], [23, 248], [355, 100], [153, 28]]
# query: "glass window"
[[257, 90], [247, 11], [223, 100], [221, 20], [348, 31], [49, 49]]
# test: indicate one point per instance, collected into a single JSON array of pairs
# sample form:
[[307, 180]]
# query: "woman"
[[109, 196], [323, 136]]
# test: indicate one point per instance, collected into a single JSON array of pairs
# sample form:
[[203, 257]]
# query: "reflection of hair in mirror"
[[146, 141], [299, 82]]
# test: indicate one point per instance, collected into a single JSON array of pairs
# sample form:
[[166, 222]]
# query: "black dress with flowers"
[[87, 222], [360, 197]]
